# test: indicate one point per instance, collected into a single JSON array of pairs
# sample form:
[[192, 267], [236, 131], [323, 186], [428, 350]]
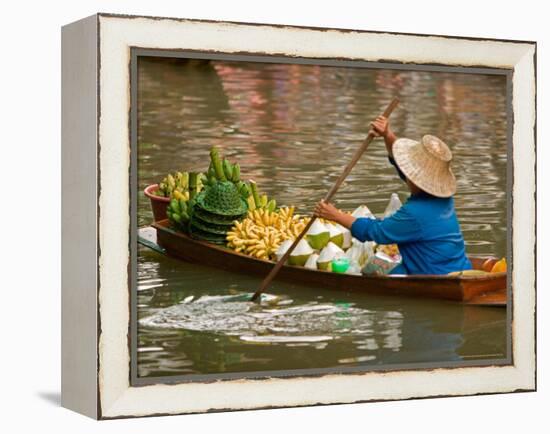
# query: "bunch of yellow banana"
[[179, 195], [261, 233], [179, 181]]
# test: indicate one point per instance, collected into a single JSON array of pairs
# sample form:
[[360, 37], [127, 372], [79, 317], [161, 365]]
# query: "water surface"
[[292, 128]]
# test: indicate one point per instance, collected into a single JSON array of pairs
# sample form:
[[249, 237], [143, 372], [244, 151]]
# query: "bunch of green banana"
[[179, 210], [232, 171], [221, 169], [257, 201], [244, 189], [179, 181]]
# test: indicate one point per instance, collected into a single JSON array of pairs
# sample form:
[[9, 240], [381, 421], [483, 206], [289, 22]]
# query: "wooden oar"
[[267, 281]]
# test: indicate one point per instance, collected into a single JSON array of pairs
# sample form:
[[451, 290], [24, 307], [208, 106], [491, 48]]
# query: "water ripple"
[[273, 321]]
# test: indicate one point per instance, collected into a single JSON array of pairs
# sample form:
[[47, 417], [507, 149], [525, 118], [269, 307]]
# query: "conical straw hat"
[[427, 164]]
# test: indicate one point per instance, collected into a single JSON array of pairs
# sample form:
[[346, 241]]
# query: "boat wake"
[[274, 320]]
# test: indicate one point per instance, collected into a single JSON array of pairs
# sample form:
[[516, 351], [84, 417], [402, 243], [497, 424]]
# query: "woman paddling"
[[425, 228]]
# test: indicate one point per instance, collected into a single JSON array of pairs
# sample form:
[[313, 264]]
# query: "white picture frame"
[[96, 161]]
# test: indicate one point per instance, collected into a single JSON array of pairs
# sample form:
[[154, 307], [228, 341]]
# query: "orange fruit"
[[488, 264], [499, 267]]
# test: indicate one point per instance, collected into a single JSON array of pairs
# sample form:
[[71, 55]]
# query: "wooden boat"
[[489, 289]]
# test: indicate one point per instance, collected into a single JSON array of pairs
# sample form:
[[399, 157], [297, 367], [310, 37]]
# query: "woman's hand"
[[381, 128], [326, 211]]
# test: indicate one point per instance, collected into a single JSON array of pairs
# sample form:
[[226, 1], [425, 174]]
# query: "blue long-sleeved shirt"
[[426, 231]]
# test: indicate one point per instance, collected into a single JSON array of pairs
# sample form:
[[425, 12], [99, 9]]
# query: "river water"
[[292, 128]]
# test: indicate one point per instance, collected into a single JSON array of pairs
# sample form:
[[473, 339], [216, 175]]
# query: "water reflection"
[[292, 128]]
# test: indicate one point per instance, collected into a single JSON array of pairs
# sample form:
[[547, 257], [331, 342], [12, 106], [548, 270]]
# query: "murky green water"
[[292, 128]]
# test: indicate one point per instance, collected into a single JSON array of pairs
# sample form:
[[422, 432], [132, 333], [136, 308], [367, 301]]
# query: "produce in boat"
[[209, 236], [393, 205], [362, 211], [330, 252], [468, 273], [499, 267], [207, 205], [354, 268], [300, 254], [178, 212], [222, 199], [259, 201], [360, 252], [216, 170], [488, 264], [247, 238], [262, 232], [215, 229], [176, 194], [318, 235], [312, 261], [388, 249], [215, 219], [221, 169], [346, 233], [178, 181], [181, 204], [215, 211], [285, 245], [380, 264], [336, 234]]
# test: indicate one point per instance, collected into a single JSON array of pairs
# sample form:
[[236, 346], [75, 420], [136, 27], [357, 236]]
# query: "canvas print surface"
[[232, 158]]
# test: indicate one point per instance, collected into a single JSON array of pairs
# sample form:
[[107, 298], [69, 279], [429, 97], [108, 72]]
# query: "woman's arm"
[[381, 127], [401, 227]]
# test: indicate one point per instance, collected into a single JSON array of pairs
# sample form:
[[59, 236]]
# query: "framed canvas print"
[[261, 216]]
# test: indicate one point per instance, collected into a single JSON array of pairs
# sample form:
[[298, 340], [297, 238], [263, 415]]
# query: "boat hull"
[[491, 287]]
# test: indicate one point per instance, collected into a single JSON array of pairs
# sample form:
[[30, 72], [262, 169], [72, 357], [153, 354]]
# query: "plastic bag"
[[354, 268], [360, 252], [393, 205], [391, 250], [380, 264], [354, 252]]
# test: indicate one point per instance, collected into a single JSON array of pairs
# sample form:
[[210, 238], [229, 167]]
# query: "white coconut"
[[330, 252], [312, 261], [346, 233], [318, 235], [362, 211], [336, 234], [283, 247], [300, 254]]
